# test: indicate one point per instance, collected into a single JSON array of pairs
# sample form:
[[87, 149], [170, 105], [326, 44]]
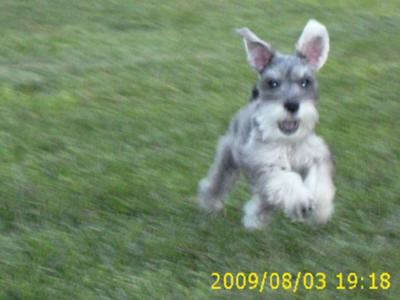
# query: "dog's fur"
[[272, 139]]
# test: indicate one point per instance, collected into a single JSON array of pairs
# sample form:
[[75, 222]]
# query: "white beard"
[[271, 113]]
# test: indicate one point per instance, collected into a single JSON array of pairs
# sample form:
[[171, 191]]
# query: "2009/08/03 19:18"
[[292, 282]]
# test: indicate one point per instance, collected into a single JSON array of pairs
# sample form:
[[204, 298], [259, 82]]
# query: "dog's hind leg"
[[221, 177], [257, 213]]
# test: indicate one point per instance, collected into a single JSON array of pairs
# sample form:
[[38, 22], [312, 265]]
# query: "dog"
[[272, 139]]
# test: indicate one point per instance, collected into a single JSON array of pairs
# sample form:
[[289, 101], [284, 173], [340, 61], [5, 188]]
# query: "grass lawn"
[[109, 116]]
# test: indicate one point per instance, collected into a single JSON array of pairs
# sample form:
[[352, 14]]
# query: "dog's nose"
[[292, 106]]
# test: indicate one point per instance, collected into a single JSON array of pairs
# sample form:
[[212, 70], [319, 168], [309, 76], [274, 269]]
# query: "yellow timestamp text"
[[293, 282]]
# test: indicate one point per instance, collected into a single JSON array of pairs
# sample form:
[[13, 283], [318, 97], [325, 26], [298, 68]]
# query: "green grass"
[[109, 116]]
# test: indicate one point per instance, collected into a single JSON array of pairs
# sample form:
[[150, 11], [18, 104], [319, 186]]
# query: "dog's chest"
[[296, 157]]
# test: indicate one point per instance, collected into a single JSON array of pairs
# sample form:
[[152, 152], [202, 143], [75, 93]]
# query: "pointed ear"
[[259, 53], [313, 44]]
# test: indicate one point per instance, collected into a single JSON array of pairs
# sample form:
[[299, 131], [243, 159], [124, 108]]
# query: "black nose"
[[292, 106]]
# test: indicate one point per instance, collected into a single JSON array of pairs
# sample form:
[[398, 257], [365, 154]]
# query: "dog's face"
[[287, 86]]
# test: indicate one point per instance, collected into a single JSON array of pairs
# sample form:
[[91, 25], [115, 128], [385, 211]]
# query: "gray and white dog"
[[272, 140]]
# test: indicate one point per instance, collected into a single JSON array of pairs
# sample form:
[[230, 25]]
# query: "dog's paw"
[[301, 208], [321, 214], [252, 222], [206, 201], [257, 214], [210, 205], [306, 209]]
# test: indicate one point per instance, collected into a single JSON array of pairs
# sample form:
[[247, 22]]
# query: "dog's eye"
[[305, 82], [273, 84]]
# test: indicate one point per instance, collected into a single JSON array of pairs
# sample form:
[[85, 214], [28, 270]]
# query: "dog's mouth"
[[288, 126]]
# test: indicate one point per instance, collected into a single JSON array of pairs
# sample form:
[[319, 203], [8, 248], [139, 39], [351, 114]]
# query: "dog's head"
[[287, 87]]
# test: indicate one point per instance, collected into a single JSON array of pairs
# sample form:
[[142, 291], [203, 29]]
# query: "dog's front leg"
[[319, 182], [220, 179], [283, 188]]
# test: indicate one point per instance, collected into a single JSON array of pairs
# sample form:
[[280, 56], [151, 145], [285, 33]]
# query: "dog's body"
[[272, 139]]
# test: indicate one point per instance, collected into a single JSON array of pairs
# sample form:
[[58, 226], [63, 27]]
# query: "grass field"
[[109, 116]]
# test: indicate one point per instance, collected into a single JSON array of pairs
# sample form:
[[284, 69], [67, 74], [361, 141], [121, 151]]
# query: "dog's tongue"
[[289, 125]]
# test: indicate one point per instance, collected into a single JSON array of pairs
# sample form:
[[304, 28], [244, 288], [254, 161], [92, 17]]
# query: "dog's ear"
[[259, 53], [313, 44]]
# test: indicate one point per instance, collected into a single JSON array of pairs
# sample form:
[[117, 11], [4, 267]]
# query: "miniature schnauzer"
[[272, 140]]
